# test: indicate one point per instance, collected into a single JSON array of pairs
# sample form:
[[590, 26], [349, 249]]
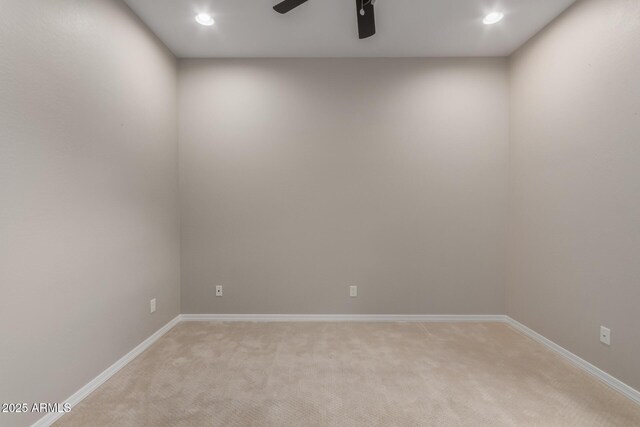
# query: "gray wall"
[[88, 182], [575, 246], [300, 177]]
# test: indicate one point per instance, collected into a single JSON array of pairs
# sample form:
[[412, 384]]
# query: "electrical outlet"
[[219, 291], [353, 291], [152, 306], [605, 335]]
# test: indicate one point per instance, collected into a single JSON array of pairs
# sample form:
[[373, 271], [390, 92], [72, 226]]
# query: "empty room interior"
[[320, 213]]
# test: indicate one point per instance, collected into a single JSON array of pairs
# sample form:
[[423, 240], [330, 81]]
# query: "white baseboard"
[[598, 373], [77, 397], [343, 318]]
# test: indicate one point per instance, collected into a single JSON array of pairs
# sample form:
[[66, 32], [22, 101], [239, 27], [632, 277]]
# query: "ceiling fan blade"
[[287, 5], [366, 22]]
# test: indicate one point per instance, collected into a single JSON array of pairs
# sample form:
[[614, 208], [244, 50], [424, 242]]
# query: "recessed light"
[[204, 19], [493, 18]]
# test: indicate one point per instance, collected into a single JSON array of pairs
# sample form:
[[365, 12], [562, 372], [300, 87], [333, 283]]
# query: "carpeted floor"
[[350, 374]]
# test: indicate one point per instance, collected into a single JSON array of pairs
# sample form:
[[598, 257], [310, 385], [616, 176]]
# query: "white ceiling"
[[327, 28]]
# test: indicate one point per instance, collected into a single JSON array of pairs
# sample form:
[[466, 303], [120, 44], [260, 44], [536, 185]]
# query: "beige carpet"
[[350, 374]]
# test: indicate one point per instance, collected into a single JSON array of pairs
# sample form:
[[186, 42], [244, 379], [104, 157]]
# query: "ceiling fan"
[[366, 18]]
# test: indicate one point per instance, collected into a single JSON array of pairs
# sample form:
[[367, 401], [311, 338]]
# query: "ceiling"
[[327, 28]]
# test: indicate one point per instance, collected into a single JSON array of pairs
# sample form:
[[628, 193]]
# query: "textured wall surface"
[[575, 244], [88, 183], [301, 177]]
